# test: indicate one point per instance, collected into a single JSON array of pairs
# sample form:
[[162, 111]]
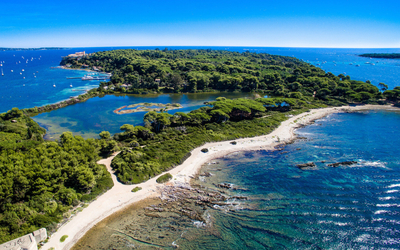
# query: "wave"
[[388, 205], [381, 212], [394, 185], [334, 223], [363, 163], [199, 224], [387, 198], [392, 191]]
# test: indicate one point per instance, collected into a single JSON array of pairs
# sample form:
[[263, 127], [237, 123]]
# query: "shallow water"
[[89, 118], [347, 207], [96, 115]]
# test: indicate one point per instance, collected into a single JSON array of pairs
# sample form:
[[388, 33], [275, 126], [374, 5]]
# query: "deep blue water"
[[347, 207]]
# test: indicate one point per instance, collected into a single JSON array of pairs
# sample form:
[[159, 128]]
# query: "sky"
[[278, 23]]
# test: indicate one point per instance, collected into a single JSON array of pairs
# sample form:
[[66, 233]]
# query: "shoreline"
[[120, 195]]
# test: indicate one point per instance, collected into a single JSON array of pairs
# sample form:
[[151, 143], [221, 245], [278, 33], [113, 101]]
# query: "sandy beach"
[[120, 196]]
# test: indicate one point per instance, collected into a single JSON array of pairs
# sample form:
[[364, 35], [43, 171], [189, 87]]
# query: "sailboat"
[[2, 72]]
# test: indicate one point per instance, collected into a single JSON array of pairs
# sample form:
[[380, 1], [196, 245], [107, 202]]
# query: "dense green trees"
[[382, 55], [174, 136], [39, 181], [135, 71]]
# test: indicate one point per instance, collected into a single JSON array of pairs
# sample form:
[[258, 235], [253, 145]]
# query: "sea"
[[325, 207], [344, 207]]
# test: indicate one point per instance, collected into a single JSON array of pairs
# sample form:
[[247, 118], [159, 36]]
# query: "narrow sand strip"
[[120, 196]]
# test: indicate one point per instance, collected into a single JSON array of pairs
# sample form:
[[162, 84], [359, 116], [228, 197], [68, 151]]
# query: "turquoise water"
[[89, 118], [348, 207], [96, 115]]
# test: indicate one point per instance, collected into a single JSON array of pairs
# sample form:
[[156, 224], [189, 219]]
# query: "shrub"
[[136, 189], [63, 238], [233, 142], [164, 178], [204, 150]]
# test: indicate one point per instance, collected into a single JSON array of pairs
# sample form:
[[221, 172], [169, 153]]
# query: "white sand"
[[120, 196]]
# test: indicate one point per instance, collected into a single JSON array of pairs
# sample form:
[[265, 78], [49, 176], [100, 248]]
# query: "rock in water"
[[306, 165], [343, 163]]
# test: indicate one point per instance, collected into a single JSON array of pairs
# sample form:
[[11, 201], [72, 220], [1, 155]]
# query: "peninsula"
[[45, 183]]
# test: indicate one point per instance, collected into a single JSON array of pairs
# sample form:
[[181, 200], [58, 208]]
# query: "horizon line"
[[163, 46]]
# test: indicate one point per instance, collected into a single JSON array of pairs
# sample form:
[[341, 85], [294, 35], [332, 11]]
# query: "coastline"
[[120, 196]]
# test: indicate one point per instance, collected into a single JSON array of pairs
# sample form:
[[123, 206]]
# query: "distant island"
[[382, 55], [43, 48]]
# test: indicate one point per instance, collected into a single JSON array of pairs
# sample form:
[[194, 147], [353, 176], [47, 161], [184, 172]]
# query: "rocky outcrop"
[[306, 165], [343, 163]]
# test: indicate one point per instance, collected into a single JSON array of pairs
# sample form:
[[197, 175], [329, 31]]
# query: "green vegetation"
[[136, 189], [382, 55], [41, 180], [164, 178], [63, 238], [145, 71], [204, 150], [166, 140], [393, 95]]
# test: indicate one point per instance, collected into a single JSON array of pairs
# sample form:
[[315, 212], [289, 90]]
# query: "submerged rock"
[[306, 165], [343, 163], [206, 174]]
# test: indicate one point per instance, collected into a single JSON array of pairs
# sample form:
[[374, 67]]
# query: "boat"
[[1, 64], [358, 65], [12, 70], [20, 73], [22, 70], [54, 85], [2, 72], [70, 85]]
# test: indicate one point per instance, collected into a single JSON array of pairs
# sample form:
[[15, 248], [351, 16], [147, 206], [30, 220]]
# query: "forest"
[[41, 182], [382, 55], [148, 71]]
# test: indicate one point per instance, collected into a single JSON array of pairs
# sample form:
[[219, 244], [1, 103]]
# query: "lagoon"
[[89, 118]]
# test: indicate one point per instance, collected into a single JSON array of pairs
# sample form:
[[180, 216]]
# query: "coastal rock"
[[240, 197], [206, 174], [343, 163], [306, 165], [224, 185]]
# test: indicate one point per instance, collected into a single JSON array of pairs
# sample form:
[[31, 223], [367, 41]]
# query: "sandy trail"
[[120, 196]]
